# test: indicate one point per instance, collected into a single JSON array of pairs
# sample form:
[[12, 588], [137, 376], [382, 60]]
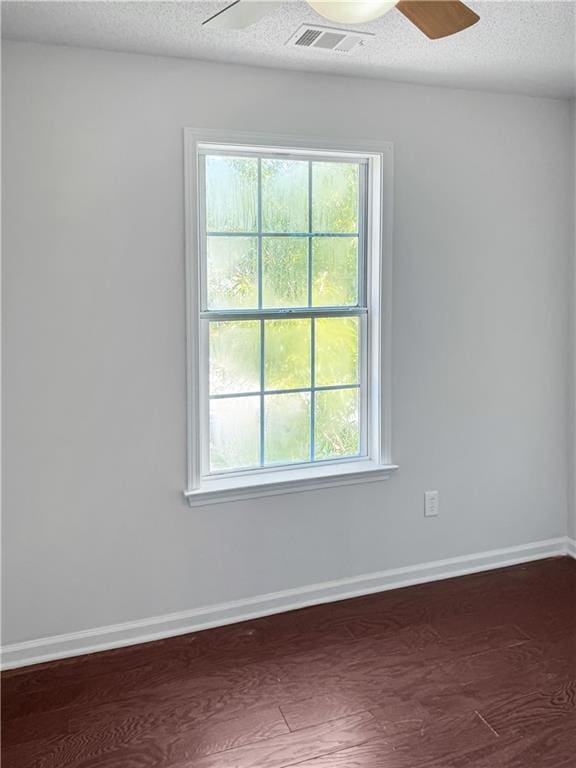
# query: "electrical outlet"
[[431, 503]]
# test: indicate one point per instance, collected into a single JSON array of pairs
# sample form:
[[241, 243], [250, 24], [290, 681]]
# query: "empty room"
[[289, 384]]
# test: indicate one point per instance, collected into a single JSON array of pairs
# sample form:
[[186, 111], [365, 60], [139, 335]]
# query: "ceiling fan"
[[436, 18]]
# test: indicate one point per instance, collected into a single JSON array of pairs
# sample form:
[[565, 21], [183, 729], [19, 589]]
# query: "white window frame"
[[376, 465]]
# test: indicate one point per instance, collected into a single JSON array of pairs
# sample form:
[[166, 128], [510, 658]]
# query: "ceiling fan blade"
[[241, 14], [438, 18]]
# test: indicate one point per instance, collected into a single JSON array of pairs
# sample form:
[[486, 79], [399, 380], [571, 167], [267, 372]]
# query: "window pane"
[[337, 424], [232, 272], [285, 272], [231, 194], [261, 254], [287, 428], [334, 271], [334, 197], [234, 433], [287, 354], [337, 350], [284, 196], [234, 357]]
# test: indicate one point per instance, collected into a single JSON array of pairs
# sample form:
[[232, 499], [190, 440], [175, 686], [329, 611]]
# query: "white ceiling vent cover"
[[328, 38]]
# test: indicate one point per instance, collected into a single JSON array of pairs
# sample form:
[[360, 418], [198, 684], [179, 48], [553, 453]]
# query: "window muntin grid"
[[316, 392]]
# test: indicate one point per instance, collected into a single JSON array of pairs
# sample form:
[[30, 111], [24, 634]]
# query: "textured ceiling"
[[522, 46]]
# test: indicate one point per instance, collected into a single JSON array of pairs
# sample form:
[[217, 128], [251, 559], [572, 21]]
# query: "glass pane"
[[287, 354], [284, 196], [334, 197], [231, 194], [287, 428], [234, 433], [337, 424], [285, 272], [232, 272], [334, 271], [234, 357], [337, 350]]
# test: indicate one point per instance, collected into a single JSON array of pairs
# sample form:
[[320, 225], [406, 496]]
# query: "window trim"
[[377, 273]]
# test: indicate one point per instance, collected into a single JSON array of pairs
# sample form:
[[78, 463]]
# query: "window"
[[285, 318]]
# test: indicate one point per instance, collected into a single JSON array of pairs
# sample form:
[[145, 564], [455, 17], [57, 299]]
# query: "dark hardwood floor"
[[475, 672]]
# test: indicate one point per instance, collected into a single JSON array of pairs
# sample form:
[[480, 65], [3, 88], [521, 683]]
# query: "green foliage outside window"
[[282, 233]]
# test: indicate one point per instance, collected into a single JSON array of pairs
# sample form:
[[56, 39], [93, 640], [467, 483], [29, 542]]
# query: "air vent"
[[328, 38], [307, 38]]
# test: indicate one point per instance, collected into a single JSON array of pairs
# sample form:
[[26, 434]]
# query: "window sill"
[[217, 490]]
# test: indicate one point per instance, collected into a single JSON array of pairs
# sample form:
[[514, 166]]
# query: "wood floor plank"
[[486, 691], [323, 708], [561, 655], [188, 702], [492, 638], [393, 712], [532, 711], [442, 744], [445, 697], [525, 657], [444, 737], [179, 740], [553, 746], [161, 752], [299, 746], [399, 716], [375, 753]]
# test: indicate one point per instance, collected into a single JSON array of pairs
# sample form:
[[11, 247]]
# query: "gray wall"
[[95, 527]]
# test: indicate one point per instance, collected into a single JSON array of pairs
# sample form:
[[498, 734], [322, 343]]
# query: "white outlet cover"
[[431, 503]]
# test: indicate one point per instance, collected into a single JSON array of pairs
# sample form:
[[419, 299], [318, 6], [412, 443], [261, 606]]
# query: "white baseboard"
[[157, 627]]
